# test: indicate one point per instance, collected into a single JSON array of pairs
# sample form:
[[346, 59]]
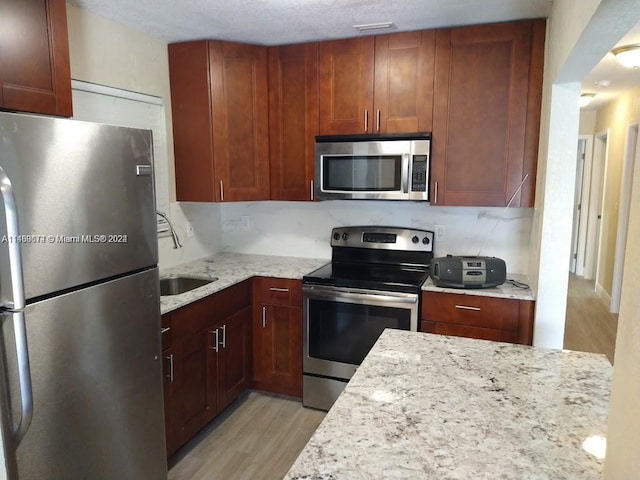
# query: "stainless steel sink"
[[177, 284]]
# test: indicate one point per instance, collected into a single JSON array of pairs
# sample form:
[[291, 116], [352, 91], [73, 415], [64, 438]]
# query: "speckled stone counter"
[[425, 406], [506, 290], [232, 268]]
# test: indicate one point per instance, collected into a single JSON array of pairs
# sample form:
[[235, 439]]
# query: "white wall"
[[579, 34], [304, 228], [106, 53]]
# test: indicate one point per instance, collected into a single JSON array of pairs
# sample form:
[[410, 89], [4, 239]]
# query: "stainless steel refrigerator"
[[80, 363]]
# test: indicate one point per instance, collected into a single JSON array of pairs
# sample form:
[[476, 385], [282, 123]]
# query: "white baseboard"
[[603, 295]]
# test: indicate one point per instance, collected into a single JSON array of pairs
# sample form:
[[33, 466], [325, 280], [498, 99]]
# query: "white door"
[[577, 204], [596, 196], [632, 152]]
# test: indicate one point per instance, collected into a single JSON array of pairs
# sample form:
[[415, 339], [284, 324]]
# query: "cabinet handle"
[[221, 191], [264, 317], [311, 190], [465, 307], [366, 120], [224, 336], [378, 120], [215, 346], [435, 192], [165, 329], [170, 376], [278, 289]]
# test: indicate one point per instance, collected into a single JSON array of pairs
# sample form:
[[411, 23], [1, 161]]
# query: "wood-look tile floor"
[[257, 438], [589, 327]]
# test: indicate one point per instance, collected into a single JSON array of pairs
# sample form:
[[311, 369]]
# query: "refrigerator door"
[[95, 365], [84, 200]]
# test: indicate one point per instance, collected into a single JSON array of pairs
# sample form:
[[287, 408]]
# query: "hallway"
[[589, 326]]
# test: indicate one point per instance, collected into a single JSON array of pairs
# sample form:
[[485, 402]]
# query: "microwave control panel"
[[419, 166]]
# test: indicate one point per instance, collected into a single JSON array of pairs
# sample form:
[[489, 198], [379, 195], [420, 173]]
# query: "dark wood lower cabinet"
[[474, 316], [234, 357], [209, 362], [277, 330]]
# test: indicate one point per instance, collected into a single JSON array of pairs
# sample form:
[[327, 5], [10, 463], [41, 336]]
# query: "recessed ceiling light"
[[367, 27], [603, 83], [585, 99], [628, 55]]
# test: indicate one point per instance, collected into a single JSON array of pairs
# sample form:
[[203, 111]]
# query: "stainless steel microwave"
[[390, 167]]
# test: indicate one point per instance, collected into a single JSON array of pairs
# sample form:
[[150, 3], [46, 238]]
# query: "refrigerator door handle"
[[24, 377], [13, 242], [18, 304]]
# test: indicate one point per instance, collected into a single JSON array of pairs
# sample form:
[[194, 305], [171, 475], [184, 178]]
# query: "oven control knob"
[[336, 236], [345, 236], [426, 240], [415, 239]]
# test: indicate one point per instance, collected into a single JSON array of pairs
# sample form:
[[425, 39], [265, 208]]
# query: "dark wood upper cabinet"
[[220, 120], [487, 97], [346, 85], [403, 92], [34, 57], [293, 120], [381, 84]]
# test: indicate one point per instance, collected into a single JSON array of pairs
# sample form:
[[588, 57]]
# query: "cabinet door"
[[234, 356], [280, 342], [168, 384], [240, 120], [198, 364], [34, 57], [192, 121], [403, 90], [486, 92], [346, 86], [293, 120]]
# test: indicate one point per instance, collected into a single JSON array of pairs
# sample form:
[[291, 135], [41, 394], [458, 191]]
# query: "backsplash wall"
[[303, 228]]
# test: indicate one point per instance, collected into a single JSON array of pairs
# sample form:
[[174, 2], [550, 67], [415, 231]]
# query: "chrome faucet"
[[176, 240]]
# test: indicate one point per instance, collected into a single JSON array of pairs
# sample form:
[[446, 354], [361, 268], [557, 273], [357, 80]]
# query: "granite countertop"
[[232, 268], [506, 290], [425, 406]]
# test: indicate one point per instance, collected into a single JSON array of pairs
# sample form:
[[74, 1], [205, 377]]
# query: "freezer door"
[[84, 197], [95, 364]]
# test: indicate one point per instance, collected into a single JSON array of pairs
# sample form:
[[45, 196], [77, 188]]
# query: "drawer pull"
[[465, 307], [165, 329], [264, 317], [277, 289], [170, 376]]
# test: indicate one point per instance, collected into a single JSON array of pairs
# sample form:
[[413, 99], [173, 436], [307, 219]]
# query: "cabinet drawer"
[[279, 291], [469, 332], [196, 316], [471, 310]]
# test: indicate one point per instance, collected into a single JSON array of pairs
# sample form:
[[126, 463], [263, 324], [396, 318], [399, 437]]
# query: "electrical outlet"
[[439, 231], [189, 230], [246, 222]]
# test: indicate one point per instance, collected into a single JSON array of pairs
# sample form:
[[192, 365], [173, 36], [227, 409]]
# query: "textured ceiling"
[[277, 22]]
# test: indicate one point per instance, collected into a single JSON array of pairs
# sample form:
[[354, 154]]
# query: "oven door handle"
[[351, 295]]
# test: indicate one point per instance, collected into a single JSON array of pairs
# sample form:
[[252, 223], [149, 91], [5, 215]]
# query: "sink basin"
[[177, 284]]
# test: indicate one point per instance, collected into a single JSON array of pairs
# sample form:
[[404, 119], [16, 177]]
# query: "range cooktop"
[[377, 258]]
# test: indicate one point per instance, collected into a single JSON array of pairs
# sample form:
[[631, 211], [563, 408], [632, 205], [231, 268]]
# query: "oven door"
[[342, 324]]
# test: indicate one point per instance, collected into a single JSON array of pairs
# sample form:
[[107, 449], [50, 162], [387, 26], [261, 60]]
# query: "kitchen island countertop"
[[425, 406], [232, 268]]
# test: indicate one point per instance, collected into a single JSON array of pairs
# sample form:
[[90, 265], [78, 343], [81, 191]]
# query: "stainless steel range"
[[373, 282]]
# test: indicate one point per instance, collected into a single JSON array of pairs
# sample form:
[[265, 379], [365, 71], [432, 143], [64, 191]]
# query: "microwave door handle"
[[406, 173]]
